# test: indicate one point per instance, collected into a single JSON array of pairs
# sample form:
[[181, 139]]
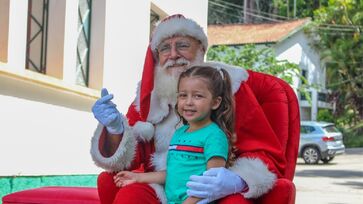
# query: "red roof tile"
[[236, 34]]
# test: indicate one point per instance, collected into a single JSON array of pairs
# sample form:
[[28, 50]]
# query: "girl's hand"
[[124, 178], [191, 200]]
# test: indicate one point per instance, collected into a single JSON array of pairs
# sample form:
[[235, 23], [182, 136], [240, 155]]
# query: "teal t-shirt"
[[188, 155]]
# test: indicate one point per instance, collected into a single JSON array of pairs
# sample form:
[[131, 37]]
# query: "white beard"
[[166, 84]]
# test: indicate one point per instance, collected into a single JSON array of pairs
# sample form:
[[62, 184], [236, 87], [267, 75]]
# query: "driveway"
[[340, 181]]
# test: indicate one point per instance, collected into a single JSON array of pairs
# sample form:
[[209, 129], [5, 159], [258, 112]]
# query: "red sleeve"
[[133, 115], [144, 150]]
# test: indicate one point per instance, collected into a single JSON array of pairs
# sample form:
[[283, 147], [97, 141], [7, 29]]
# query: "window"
[[304, 97], [331, 129], [36, 47], [154, 18], [304, 73], [83, 45], [322, 97], [306, 129]]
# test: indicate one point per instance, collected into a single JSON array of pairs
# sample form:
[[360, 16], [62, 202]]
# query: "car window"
[[331, 129], [305, 129]]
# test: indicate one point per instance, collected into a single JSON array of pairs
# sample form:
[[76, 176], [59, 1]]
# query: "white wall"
[[297, 49], [126, 39], [46, 124], [44, 131], [196, 10]]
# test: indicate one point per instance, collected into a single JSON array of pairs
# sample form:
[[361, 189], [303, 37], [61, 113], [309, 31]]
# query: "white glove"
[[107, 114], [214, 184]]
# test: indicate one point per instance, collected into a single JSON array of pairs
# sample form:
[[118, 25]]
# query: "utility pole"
[[248, 7], [294, 8]]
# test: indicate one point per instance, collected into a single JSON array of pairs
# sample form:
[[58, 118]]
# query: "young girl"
[[206, 108]]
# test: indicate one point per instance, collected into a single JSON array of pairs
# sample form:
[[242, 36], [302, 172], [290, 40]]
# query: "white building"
[[53, 64], [290, 43]]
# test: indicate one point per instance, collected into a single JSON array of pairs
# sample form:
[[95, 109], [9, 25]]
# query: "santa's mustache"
[[178, 62]]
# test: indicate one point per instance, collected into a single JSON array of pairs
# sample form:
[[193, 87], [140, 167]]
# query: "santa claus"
[[139, 141]]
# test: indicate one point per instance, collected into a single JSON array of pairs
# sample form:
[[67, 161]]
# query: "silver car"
[[320, 141]]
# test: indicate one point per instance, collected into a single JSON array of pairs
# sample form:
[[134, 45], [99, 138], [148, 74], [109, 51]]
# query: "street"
[[340, 181]]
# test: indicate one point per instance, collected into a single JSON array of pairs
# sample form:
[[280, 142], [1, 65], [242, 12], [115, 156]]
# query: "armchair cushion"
[[54, 195]]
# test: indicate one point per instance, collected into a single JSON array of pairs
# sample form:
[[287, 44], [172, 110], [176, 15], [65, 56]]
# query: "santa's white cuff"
[[123, 156], [256, 174]]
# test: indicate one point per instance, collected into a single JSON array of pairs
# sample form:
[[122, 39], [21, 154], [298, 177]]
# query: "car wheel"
[[311, 155], [327, 160]]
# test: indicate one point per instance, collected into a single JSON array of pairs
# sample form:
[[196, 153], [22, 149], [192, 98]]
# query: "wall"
[[296, 48], [46, 120]]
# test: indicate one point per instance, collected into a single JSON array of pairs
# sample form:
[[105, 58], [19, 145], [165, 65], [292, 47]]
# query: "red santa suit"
[[151, 122]]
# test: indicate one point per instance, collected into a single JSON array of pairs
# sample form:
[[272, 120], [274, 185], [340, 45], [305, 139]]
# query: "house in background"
[[55, 56], [290, 43]]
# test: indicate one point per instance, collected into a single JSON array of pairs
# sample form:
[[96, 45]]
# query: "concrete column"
[[4, 29], [314, 104], [70, 41], [126, 39], [18, 14], [56, 37], [97, 47]]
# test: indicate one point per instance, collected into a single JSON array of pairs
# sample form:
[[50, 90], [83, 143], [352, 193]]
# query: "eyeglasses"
[[180, 46]]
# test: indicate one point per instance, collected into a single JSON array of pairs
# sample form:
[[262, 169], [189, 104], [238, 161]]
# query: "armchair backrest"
[[286, 126]]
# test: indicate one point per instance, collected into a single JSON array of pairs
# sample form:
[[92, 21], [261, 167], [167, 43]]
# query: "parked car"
[[320, 141]]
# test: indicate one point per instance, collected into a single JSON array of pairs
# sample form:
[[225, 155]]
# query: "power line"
[[337, 29], [341, 25], [236, 6], [345, 81], [252, 10], [249, 13], [229, 14]]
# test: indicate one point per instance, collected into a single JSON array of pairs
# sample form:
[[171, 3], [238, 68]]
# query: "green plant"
[[325, 115]]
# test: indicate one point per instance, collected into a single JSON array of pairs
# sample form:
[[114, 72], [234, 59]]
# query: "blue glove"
[[214, 184], [106, 113]]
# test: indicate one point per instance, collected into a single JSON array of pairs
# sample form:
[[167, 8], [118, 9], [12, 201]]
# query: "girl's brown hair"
[[219, 84]]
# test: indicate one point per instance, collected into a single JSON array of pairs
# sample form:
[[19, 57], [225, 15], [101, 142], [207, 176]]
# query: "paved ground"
[[338, 182]]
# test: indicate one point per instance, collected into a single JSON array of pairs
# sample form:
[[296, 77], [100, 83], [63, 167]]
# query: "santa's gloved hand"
[[214, 184], [106, 113]]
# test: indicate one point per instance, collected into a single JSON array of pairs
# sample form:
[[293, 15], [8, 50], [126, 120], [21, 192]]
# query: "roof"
[[237, 34], [317, 123]]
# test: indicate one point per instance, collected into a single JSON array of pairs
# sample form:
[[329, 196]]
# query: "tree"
[[260, 11], [262, 60], [337, 35]]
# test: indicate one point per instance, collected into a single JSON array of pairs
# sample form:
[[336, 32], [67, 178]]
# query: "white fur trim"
[[163, 134], [123, 156], [159, 109], [237, 74], [144, 130], [158, 160], [138, 95], [176, 26], [256, 174], [160, 192]]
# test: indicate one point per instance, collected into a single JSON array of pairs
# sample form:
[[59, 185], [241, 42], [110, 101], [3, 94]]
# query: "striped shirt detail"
[[186, 148]]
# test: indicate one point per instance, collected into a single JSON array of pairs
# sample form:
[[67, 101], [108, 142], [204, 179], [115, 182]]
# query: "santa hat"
[[175, 25]]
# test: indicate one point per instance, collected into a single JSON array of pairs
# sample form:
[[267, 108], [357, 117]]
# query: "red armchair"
[[264, 86], [288, 129]]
